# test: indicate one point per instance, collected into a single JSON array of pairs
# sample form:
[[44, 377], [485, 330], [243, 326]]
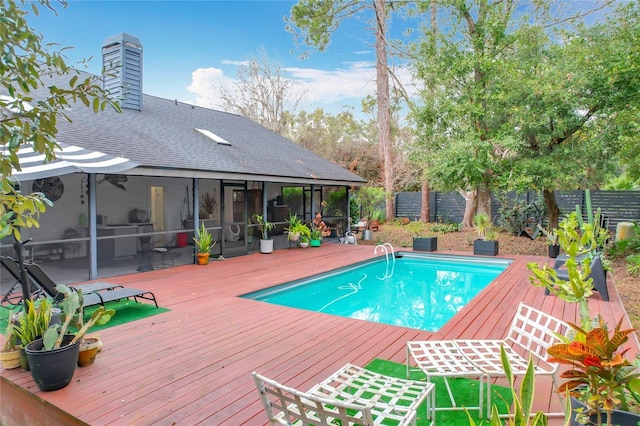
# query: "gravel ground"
[[628, 286]]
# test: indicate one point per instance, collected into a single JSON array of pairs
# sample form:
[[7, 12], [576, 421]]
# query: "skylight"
[[213, 136]]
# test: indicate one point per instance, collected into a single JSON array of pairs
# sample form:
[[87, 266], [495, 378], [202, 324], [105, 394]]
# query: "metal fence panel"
[[616, 206]]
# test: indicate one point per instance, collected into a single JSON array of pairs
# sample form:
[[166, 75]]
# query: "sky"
[[191, 47]]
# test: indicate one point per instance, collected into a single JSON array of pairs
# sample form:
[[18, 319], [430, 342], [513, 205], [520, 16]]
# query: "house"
[[177, 155]]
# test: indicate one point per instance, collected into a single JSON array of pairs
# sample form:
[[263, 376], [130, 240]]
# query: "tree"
[[579, 108], [264, 94], [483, 71], [341, 138], [26, 64], [315, 22]]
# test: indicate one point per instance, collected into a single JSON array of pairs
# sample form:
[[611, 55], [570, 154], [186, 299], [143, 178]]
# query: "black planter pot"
[[425, 244], [618, 418], [52, 370], [554, 251], [485, 248]]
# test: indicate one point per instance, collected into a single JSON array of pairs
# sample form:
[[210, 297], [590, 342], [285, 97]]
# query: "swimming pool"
[[421, 291]]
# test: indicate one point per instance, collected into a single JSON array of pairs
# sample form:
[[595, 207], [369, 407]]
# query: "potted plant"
[[602, 383], [54, 356], [576, 243], [319, 229], [369, 197], [423, 243], [31, 325], [304, 240], [89, 345], [10, 354], [204, 244], [208, 204], [486, 243], [601, 380], [296, 228], [315, 238], [266, 244], [552, 241]]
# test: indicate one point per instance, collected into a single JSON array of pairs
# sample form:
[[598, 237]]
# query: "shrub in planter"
[[53, 357], [599, 377], [10, 354], [486, 243]]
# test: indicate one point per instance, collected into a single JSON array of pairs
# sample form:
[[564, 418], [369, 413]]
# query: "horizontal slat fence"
[[616, 206]]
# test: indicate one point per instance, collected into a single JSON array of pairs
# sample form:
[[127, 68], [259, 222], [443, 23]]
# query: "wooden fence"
[[616, 206]]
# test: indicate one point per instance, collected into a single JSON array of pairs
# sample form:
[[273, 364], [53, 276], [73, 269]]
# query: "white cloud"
[[327, 89], [204, 84]]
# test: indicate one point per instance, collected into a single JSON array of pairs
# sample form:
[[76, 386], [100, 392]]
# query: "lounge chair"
[[531, 333], [352, 395], [13, 296], [597, 274], [39, 279], [92, 293]]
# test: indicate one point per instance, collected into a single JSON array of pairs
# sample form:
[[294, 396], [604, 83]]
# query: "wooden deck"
[[193, 365]]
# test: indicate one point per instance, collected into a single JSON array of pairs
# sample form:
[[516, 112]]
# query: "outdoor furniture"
[[73, 247], [442, 358], [92, 293], [13, 296], [531, 333], [144, 259], [597, 273], [166, 259], [352, 395]]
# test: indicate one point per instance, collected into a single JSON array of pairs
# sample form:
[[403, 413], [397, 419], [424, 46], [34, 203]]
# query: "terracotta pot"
[[10, 359], [203, 258], [89, 348]]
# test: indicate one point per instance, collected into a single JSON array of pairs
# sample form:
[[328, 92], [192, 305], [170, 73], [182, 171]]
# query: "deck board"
[[192, 365]]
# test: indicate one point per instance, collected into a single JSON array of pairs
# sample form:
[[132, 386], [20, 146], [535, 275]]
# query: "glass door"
[[234, 219]]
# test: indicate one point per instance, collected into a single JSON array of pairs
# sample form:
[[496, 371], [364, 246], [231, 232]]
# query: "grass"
[[465, 392], [126, 311]]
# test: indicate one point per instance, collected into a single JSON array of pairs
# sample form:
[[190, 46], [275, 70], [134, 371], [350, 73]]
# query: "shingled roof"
[[163, 139]]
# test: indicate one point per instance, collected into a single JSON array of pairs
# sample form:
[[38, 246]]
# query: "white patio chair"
[[531, 333], [442, 358], [352, 395]]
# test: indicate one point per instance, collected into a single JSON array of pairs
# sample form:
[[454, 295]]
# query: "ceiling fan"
[[115, 180]]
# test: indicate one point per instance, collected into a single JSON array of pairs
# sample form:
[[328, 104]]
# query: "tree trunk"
[[483, 204], [425, 210], [552, 207], [384, 113], [469, 207]]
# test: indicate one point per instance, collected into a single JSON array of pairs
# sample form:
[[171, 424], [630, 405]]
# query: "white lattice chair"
[[531, 333], [442, 358], [352, 395]]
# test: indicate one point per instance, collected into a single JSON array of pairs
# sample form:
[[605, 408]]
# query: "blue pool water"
[[421, 291]]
